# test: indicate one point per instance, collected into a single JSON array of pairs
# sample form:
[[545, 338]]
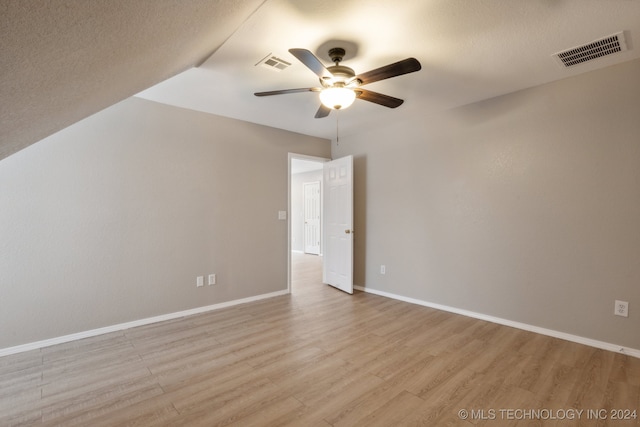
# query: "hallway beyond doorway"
[[306, 272]]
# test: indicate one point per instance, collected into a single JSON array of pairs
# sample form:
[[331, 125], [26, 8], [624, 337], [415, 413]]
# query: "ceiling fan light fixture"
[[340, 85], [337, 98]]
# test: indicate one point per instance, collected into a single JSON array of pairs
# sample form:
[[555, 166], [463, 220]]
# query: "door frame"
[[291, 157]]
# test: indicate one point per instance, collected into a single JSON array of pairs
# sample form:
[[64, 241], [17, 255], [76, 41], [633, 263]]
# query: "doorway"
[[305, 219]]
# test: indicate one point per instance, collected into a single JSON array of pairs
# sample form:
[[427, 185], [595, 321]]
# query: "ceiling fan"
[[340, 86]]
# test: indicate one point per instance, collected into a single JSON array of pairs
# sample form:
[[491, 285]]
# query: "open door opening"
[[321, 222], [305, 221]]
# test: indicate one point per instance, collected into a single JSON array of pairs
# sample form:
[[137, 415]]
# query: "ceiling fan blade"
[[399, 68], [285, 91], [313, 63], [322, 112], [378, 98]]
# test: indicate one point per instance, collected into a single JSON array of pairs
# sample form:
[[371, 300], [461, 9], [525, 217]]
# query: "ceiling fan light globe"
[[337, 98]]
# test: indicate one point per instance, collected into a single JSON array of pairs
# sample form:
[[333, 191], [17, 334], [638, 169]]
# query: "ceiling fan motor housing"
[[341, 76]]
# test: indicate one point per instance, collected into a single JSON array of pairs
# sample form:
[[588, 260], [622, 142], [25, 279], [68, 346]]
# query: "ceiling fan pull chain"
[[337, 127]]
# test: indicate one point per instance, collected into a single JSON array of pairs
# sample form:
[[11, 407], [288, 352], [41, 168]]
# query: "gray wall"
[[524, 207], [112, 219]]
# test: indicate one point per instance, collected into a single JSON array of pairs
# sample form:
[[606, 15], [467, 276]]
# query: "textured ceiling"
[[470, 50], [61, 61]]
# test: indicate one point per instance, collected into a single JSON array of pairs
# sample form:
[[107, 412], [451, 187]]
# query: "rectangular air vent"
[[588, 52], [274, 63]]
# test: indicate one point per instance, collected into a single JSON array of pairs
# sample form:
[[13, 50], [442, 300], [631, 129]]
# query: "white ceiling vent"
[[274, 63], [606, 46]]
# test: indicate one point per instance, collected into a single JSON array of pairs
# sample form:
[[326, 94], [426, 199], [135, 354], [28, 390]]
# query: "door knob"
[[349, 231]]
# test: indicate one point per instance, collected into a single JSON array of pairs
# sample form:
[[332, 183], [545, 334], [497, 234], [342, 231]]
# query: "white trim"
[[524, 326], [114, 328]]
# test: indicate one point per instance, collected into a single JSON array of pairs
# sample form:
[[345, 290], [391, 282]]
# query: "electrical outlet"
[[212, 279], [383, 269], [200, 281], [621, 308]]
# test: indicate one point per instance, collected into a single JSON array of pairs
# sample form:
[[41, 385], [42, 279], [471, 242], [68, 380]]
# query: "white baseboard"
[[524, 326], [100, 331]]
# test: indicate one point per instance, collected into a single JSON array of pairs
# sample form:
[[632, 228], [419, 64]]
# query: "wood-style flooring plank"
[[317, 357]]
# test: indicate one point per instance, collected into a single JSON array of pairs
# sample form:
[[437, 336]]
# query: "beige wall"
[[523, 207], [112, 219]]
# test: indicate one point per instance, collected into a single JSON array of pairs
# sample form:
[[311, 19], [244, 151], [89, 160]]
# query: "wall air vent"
[[588, 52], [274, 63]]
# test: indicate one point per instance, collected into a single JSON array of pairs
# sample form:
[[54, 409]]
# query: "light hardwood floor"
[[319, 357]]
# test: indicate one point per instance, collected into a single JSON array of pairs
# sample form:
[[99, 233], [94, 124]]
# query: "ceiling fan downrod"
[[336, 54]]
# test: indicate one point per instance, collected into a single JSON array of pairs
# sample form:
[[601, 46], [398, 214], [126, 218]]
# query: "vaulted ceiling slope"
[[63, 60]]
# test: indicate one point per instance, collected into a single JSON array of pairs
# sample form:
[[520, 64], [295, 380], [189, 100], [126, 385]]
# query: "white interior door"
[[312, 217], [338, 223]]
